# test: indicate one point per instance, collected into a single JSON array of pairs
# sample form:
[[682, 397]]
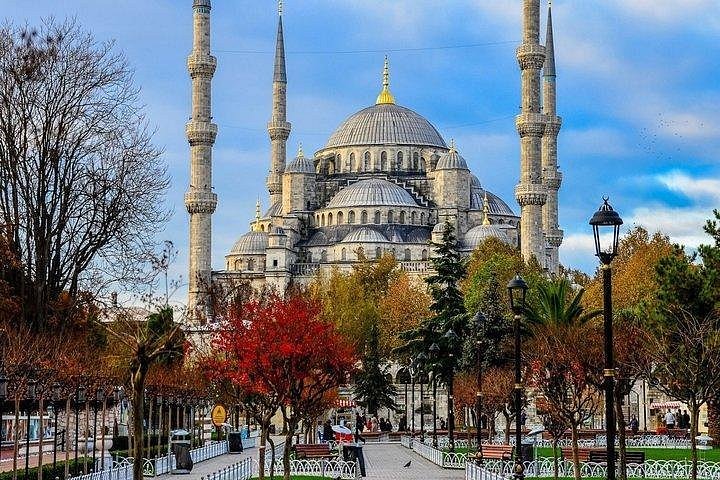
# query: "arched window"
[[340, 218], [400, 160], [422, 218], [378, 252], [351, 216], [424, 254], [238, 265], [402, 217], [251, 265], [330, 219], [262, 227], [391, 216], [366, 165], [383, 161], [416, 161], [352, 162], [363, 217], [413, 218], [343, 254], [422, 163], [322, 220], [309, 257], [407, 254], [323, 256], [338, 163]]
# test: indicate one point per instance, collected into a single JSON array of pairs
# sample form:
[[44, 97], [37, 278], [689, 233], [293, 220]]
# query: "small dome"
[[252, 243], [475, 183], [371, 193], [439, 228], [476, 235], [364, 235], [451, 160], [300, 164], [383, 124], [496, 206]]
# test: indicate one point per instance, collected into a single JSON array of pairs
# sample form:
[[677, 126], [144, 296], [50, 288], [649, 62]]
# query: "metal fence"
[[242, 470]]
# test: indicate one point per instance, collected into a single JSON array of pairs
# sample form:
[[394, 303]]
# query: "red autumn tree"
[[280, 348]]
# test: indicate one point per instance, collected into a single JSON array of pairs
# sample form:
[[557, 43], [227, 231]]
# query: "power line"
[[383, 50]]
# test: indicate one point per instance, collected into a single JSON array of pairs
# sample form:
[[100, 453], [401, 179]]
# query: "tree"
[[82, 185], [281, 351], [371, 384], [565, 357]]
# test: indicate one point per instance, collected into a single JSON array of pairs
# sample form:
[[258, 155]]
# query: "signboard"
[[218, 415]]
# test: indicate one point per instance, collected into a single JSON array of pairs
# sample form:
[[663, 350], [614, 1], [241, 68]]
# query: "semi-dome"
[[252, 243], [372, 192], [364, 235], [476, 235], [385, 123], [451, 160], [496, 206]]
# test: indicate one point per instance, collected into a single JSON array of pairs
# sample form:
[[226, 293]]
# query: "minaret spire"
[[200, 200], [530, 192], [278, 127], [551, 177], [486, 210], [385, 96]]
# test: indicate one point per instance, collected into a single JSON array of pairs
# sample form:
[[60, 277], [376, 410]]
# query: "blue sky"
[[638, 91]]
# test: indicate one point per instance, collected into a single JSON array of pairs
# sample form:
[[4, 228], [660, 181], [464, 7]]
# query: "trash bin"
[[180, 447], [235, 442], [528, 449]]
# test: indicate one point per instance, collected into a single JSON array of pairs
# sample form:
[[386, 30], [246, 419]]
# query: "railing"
[[406, 441], [428, 453], [121, 472], [475, 472], [242, 470], [210, 450], [420, 266], [305, 269], [249, 442], [651, 469]]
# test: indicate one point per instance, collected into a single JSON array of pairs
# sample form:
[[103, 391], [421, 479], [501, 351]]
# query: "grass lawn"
[[660, 453]]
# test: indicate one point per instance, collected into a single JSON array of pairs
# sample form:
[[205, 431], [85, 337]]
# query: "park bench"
[[600, 456], [371, 436], [313, 450], [497, 452], [395, 436], [583, 453]]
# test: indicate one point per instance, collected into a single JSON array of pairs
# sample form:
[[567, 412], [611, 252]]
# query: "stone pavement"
[[382, 462]]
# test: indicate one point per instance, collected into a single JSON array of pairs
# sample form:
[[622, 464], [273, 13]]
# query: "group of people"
[[677, 420], [372, 424]]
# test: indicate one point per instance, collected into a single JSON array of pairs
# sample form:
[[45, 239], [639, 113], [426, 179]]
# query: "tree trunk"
[[620, 417], [67, 437], [576, 457], [507, 426], [261, 452], [695, 409], [41, 436], [272, 457], [291, 427], [16, 437], [713, 412], [137, 382], [555, 458]]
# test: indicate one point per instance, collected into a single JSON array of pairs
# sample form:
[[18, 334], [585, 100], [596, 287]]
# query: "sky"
[[637, 81]]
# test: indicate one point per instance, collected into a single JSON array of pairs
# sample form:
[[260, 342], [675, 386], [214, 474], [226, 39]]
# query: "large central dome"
[[386, 123], [372, 192]]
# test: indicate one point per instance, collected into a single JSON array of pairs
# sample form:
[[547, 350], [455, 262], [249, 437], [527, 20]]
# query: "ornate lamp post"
[[434, 351], [420, 361], [30, 397], [607, 220], [413, 373], [56, 392], [451, 338], [99, 397], [517, 290], [479, 327]]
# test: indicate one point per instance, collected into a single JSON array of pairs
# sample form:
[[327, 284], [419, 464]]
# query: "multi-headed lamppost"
[[479, 327], [606, 246], [517, 289], [420, 362], [434, 354], [451, 338]]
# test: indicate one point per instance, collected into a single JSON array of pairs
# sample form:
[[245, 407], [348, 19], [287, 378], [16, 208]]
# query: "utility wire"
[[383, 50]]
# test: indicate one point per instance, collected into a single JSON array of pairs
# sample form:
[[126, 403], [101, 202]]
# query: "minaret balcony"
[[201, 133], [552, 125], [530, 56], [554, 237], [530, 124], [199, 201], [278, 130], [552, 180], [200, 64], [530, 194]]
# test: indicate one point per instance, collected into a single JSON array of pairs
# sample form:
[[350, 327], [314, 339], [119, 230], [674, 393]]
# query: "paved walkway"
[[382, 462]]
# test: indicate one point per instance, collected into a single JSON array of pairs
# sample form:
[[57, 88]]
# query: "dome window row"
[[378, 217], [383, 161], [359, 253]]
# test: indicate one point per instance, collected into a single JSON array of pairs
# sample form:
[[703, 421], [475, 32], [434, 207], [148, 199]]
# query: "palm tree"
[[565, 355]]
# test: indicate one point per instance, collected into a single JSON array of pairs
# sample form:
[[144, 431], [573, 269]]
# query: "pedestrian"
[[402, 425], [523, 418], [442, 424], [328, 433], [634, 425], [319, 431], [669, 420], [686, 419], [679, 419]]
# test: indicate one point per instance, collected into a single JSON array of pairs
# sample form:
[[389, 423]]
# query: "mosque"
[[385, 182]]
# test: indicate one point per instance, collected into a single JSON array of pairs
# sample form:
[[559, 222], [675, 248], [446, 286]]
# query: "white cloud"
[[704, 190]]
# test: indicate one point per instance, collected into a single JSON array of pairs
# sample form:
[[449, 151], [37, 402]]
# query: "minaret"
[[530, 192], [200, 200], [278, 127], [552, 178]]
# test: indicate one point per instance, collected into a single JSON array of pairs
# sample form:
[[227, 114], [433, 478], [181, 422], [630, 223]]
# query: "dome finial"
[[486, 210], [385, 96], [452, 146], [256, 223], [280, 5], [300, 150]]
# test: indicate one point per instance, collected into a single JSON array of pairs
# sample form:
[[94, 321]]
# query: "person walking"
[[634, 425], [686, 419], [669, 420]]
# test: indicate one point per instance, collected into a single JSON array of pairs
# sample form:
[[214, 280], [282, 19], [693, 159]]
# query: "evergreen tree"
[[494, 332], [372, 385]]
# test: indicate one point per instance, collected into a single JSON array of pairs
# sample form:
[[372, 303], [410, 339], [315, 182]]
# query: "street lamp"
[[517, 291], [451, 338], [420, 361], [607, 220], [79, 401], [3, 396], [413, 373], [479, 327], [434, 353], [99, 398], [56, 392], [30, 397]]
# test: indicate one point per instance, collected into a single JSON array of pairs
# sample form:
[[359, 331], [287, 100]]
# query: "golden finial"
[[256, 223], [452, 146], [385, 96], [486, 210], [300, 150], [280, 5]]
